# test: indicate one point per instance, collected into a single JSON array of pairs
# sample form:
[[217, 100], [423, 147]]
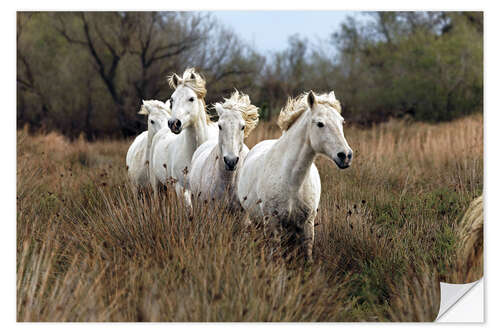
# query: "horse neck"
[[198, 132], [226, 177], [296, 153], [150, 139]]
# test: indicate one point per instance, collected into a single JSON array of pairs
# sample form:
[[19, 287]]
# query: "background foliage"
[[87, 72]]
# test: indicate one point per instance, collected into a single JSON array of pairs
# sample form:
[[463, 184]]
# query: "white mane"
[[295, 107], [154, 105], [249, 112]]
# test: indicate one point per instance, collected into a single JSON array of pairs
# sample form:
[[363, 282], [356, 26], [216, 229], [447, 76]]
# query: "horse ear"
[[311, 99], [165, 108], [219, 109], [144, 109], [331, 95], [174, 81]]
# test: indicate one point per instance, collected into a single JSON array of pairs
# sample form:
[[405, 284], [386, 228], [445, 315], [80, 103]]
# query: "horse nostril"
[[341, 155], [231, 161], [174, 125]]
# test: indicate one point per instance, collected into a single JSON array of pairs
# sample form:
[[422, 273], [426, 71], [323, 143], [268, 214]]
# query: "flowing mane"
[[295, 107], [193, 80], [190, 79], [156, 105], [249, 112]]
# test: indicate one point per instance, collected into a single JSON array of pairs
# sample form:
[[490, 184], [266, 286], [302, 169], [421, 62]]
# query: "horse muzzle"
[[175, 125], [231, 162], [343, 159]]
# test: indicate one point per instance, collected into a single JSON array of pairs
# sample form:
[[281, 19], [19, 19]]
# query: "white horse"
[[158, 158], [172, 154], [279, 184], [216, 163], [137, 159]]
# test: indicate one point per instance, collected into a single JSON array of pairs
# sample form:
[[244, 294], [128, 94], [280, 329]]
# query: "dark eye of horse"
[[220, 127], [191, 99], [152, 121], [320, 124], [243, 127]]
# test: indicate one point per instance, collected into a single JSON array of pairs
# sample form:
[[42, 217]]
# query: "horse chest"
[[180, 162], [288, 210]]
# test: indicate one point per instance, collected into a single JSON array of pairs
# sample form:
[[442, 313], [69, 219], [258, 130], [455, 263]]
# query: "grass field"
[[88, 249]]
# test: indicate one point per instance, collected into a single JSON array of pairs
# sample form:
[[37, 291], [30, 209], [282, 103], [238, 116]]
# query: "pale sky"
[[269, 30]]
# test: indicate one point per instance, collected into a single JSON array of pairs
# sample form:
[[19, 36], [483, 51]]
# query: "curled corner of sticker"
[[451, 293]]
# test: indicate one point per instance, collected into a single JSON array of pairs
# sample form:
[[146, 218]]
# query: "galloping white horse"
[[279, 184], [216, 163], [137, 159], [172, 154]]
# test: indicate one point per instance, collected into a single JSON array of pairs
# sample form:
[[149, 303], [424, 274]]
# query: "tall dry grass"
[[470, 248], [89, 249]]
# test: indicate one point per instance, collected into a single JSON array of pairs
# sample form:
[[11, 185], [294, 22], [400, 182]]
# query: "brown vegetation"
[[88, 249]]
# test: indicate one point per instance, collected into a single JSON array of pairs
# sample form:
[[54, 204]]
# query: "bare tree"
[[25, 77], [161, 39], [106, 37]]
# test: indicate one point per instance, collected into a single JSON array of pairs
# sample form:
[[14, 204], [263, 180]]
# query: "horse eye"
[[191, 99], [320, 124], [152, 121], [220, 127], [242, 127]]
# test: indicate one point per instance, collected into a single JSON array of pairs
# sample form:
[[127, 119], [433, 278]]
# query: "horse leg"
[[185, 196], [274, 230], [179, 190], [308, 239], [246, 220], [187, 199], [154, 184]]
